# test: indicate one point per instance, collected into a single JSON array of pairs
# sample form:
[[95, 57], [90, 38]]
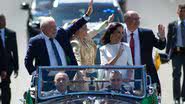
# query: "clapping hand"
[[90, 8], [161, 31], [111, 18]]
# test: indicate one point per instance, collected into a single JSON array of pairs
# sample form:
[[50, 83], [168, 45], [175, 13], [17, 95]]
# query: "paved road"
[[152, 13]]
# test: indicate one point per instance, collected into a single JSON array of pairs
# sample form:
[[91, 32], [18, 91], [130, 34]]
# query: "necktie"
[[132, 46], [183, 33], [56, 52]]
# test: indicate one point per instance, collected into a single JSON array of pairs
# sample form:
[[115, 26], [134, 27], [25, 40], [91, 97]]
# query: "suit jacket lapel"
[[140, 36], [174, 35], [44, 50], [124, 39], [141, 43]]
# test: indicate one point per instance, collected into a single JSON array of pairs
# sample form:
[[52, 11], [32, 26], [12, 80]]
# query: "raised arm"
[[90, 9], [80, 22], [76, 49], [161, 42], [94, 31]]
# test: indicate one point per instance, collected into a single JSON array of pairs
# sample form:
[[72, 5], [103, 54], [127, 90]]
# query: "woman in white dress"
[[115, 52]]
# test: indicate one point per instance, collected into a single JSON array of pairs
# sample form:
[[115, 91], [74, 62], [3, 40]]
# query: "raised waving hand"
[[90, 8]]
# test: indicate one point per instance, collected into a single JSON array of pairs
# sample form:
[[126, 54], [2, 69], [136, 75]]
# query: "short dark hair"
[[2, 15], [111, 28], [181, 6]]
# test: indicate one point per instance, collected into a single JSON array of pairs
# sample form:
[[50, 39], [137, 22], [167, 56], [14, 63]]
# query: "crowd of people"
[[122, 44]]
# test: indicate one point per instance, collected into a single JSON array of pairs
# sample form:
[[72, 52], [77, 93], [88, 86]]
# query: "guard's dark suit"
[[178, 60], [9, 61]]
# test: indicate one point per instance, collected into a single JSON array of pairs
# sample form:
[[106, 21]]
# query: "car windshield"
[[91, 80], [65, 14]]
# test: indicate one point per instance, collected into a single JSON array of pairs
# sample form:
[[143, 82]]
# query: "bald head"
[[132, 20], [48, 26], [61, 81], [2, 21], [45, 21], [61, 76], [130, 14]]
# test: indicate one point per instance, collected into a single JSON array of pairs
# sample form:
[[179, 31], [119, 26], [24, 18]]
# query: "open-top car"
[[92, 85]]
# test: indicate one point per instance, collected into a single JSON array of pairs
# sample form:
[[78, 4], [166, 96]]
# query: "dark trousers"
[[178, 60], [5, 93]]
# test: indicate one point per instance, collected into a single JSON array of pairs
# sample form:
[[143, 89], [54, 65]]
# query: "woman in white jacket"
[[115, 52]]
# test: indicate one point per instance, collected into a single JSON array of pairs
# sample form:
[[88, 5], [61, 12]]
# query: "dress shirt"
[[179, 42], [2, 33], [53, 60], [137, 55]]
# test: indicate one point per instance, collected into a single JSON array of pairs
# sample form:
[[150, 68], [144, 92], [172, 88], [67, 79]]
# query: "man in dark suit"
[[8, 44], [3, 71], [141, 42], [52, 46], [176, 51]]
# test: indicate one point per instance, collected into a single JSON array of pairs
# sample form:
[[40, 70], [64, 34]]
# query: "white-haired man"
[[52, 46]]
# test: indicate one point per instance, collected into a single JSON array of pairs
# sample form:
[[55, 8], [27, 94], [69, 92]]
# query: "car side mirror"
[[25, 6], [149, 80], [150, 87]]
